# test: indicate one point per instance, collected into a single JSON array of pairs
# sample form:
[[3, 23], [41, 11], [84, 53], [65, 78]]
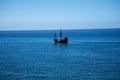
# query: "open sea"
[[91, 54]]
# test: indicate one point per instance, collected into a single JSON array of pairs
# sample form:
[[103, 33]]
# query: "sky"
[[56, 14]]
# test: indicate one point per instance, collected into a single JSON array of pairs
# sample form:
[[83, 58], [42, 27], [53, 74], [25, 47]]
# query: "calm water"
[[31, 55]]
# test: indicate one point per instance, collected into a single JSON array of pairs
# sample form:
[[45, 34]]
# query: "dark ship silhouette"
[[62, 40]]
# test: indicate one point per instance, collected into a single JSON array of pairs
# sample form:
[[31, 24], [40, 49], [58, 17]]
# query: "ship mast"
[[60, 34], [55, 36]]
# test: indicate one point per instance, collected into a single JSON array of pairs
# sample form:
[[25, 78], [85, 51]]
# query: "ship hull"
[[65, 40]]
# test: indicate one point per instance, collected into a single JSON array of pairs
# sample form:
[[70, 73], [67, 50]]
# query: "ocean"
[[91, 54]]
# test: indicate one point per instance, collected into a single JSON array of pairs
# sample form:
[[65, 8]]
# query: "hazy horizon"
[[60, 28], [55, 14]]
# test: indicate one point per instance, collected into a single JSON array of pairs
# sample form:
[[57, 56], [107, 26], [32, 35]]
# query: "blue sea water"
[[31, 55]]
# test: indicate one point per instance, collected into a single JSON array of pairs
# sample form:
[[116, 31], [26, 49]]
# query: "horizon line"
[[57, 29]]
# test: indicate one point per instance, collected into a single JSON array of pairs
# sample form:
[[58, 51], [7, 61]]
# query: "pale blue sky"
[[56, 14]]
